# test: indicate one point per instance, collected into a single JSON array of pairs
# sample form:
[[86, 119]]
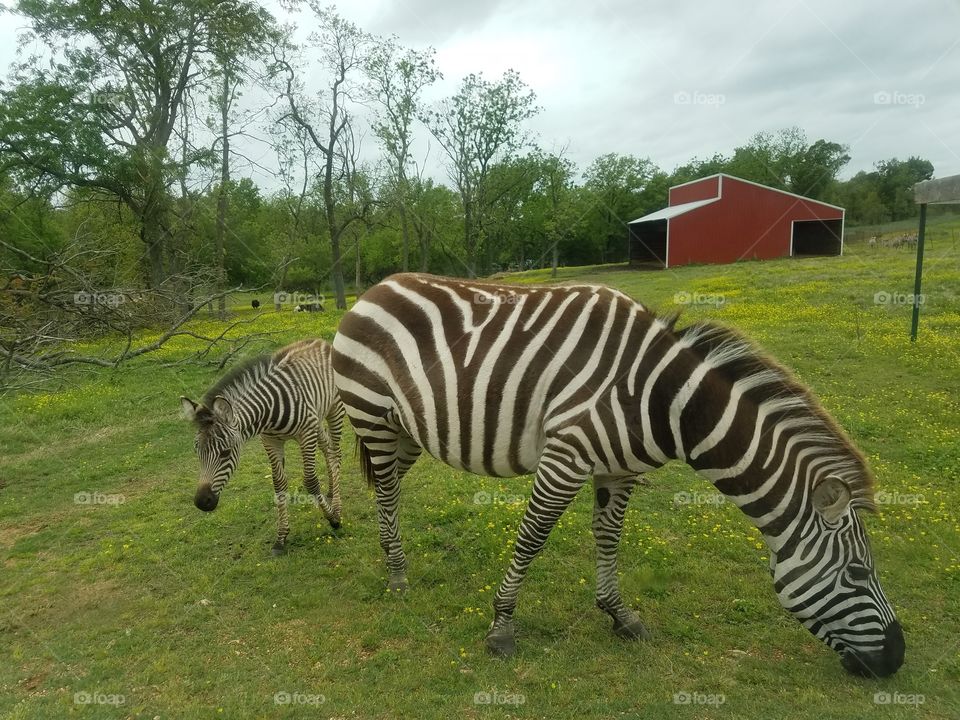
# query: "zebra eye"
[[858, 573]]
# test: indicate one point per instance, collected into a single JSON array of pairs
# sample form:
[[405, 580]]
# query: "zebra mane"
[[740, 359], [233, 382]]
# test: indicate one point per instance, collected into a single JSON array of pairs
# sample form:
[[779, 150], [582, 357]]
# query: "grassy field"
[[118, 599]]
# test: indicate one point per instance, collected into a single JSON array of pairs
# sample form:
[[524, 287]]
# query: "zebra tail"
[[366, 462]]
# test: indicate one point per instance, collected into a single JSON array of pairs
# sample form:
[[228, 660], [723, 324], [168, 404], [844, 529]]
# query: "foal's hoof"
[[500, 641], [278, 549], [334, 523], [630, 629], [397, 585]]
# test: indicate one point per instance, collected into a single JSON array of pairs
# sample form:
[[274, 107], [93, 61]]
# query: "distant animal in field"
[[255, 304], [872, 242], [905, 240], [284, 396], [309, 307], [575, 383]]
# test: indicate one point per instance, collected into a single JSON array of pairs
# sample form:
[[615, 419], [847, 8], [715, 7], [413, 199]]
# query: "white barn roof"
[[673, 210]]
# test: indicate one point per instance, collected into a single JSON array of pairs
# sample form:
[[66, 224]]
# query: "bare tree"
[[325, 118], [396, 78], [238, 41], [295, 158]]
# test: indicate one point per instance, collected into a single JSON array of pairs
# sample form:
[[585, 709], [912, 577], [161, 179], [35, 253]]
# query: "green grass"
[[187, 615]]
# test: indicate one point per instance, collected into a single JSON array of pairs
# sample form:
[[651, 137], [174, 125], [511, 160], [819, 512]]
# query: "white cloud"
[[606, 74]]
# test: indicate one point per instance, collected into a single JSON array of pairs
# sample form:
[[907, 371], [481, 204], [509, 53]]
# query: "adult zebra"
[[283, 396], [581, 381]]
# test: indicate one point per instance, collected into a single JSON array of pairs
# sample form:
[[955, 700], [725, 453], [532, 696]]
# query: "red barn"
[[722, 219]]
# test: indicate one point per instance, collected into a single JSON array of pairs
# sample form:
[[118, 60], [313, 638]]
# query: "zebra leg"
[[308, 451], [333, 455], [274, 448], [609, 507], [557, 482], [390, 458]]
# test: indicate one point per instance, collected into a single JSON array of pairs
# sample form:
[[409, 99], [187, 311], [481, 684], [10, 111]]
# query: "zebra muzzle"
[[206, 499], [878, 664]]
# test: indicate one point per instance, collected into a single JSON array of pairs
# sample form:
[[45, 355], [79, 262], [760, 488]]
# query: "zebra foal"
[[282, 396], [582, 382]]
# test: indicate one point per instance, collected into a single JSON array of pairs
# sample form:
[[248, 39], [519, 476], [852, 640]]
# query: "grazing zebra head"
[[766, 442], [217, 444], [825, 576]]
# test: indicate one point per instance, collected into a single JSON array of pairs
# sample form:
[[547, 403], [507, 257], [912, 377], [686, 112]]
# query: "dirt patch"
[[11, 534]]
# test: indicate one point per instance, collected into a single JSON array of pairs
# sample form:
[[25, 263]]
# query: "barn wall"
[[698, 190], [749, 222]]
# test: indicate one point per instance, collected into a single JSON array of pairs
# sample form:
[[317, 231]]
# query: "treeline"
[[122, 147]]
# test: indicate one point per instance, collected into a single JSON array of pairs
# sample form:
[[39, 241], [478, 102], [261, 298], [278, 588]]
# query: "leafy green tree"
[[480, 125], [813, 171], [895, 181], [616, 184], [102, 113]]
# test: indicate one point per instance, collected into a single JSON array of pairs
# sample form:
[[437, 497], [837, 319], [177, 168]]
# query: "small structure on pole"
[[944, 191]]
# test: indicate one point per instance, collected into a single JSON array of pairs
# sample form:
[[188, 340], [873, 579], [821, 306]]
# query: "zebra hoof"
[[279, 549], [397, 585], [500, 641], [335, 524], [632, 629]]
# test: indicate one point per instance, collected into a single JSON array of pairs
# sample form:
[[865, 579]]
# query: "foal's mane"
[[255, 366], [742, 359]]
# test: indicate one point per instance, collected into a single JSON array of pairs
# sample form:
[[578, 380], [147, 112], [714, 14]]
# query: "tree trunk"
[[282, 282], [405, 233], [222, 199], [336, 272], [469, 240], [425, 250], [356, 282], [152, 214], [554, 258], [151, 235]]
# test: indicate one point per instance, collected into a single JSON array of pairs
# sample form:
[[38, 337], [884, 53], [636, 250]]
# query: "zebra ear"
[[831, 498], [188, 408], [223, 410]]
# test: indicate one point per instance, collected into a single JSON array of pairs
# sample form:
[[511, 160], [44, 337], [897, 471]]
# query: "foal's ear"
[[831, 498], [223, 410], [188, 408]]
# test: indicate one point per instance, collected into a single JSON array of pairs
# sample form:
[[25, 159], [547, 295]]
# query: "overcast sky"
[[672, 79]]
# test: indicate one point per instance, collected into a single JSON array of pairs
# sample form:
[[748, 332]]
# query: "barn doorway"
[[648, 244], [817, 237]]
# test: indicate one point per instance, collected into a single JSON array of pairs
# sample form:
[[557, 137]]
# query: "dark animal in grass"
[[255, 304]]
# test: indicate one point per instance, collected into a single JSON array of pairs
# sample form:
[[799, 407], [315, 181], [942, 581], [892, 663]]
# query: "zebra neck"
[[252, 412], [771, 476]]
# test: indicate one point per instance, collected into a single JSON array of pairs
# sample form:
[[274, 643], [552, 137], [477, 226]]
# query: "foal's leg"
[[610, 506], [559, 478], [274, 448], [308, 441], [332, 454]]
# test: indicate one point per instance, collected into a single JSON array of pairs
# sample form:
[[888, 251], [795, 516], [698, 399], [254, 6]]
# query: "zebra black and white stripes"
[[581, 381], [284, 396]]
